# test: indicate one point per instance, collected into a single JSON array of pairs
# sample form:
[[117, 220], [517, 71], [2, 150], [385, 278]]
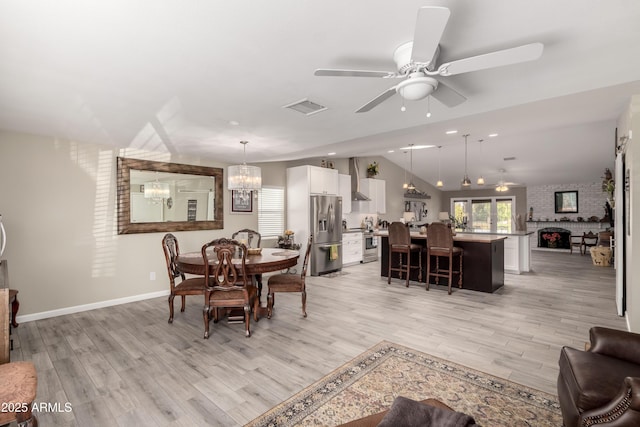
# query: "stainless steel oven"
[[369, 247]]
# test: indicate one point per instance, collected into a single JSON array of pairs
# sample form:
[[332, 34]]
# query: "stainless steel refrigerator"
[[326, 227]]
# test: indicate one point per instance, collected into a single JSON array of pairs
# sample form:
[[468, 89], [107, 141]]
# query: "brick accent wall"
[[591, 201]]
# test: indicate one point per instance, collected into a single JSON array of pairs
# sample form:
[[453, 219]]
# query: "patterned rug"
[[370, 382]]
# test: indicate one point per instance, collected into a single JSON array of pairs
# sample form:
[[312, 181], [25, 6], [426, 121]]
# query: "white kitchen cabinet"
[[323, 180], [376, 190], [517, 254], [351, 248], [344, 190]]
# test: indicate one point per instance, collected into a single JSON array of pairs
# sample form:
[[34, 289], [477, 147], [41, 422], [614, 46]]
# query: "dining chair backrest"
[[307, 255], [221, 273], [252, 236], [171, 250], [439, 235], [399, 234]]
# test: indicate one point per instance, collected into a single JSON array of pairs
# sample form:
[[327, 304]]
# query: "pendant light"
[[466, 182], [439, 183], [244, 178], [480, 179], [405, 184], [411, 186]]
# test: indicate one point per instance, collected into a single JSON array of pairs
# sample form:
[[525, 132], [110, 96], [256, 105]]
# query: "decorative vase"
[[371, 174], [552, 244]]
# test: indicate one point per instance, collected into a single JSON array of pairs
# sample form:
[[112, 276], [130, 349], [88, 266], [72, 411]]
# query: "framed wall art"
[[241, 203], [566, 201]]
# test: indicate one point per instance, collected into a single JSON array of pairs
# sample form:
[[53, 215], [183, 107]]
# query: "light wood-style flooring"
[[126, 366]]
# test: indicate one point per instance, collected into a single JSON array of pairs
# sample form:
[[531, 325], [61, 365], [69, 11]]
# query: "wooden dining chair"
[[253, 241], [400, 243], [227, 284], [289, 283], [440, 245], [186, 286], [589, 240]]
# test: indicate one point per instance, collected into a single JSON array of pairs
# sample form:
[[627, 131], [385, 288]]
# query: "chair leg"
[[408, 271], [184, 299], [428, 269], [389, 270], [450, 271], [269, 304], [460, 275], [247, 320], [205, 314], [420, 266], [304, 303], [256, 308], [171, 297]]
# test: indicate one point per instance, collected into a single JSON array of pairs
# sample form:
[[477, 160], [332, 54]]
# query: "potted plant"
[[609, 187], [372, 170]]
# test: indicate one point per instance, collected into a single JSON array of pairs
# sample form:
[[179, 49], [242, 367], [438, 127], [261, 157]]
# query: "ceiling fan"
[[416, 63]]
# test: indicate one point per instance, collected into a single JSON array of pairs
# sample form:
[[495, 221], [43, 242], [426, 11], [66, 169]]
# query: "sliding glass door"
[[485, 214]]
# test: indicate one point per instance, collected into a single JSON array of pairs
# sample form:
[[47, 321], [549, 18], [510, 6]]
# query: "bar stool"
[[400, 242], [440, 244]]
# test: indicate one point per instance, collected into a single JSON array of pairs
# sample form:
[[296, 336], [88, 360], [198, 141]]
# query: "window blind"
[[271, 211]]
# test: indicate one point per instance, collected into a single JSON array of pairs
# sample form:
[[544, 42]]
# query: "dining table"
[[267, 261]]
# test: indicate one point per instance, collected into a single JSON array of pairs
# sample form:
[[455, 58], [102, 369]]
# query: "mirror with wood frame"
[[164, 197]]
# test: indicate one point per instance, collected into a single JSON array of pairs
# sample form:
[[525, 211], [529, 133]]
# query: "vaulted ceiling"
[[195, 78]]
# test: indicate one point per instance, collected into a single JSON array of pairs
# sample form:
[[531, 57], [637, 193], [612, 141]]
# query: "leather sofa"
[[601, 385]]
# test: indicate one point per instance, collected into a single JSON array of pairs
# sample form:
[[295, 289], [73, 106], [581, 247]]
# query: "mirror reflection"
[[158, 196], [166, 197]]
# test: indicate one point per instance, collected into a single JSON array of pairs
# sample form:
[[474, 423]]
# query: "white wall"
[[58, 203], [631, 121]]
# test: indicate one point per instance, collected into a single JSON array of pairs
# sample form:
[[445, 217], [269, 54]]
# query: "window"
[[485, 215], [271, 211]]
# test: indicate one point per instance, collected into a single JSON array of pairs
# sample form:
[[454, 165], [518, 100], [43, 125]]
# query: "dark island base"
[[482, 265]]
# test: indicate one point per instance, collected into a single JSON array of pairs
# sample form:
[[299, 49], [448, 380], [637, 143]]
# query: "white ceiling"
[[172, 75]]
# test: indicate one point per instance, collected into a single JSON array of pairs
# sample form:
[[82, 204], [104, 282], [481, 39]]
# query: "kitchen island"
[[517, 250], [482, 265]]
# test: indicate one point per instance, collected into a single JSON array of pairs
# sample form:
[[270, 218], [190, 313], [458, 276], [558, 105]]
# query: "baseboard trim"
[[87, 307]]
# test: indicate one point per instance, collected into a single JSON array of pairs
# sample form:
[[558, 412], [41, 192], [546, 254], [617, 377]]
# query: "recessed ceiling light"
[[333, 153], [491, 135], [234, 123], [451, 132], [391, 151]]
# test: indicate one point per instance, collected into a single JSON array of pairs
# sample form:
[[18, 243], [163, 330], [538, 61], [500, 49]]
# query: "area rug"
[[370, 382]]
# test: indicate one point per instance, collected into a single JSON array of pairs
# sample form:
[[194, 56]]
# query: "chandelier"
[[156, 190], [244, 178]]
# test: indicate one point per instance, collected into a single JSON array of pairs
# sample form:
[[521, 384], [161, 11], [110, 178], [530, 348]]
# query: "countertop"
[[355, 230], [459, 237]]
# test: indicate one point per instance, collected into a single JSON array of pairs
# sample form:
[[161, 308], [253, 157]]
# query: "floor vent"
[[306, 107]]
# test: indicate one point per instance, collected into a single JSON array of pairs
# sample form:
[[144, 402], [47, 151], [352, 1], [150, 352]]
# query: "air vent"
[[306, 107], [509, 158]]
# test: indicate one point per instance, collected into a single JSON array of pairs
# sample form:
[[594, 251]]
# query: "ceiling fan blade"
[[527, 52], [447, 96], [430, 25], [377, 100], [353, 73]]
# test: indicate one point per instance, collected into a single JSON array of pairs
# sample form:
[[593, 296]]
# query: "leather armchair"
[[602, 384]]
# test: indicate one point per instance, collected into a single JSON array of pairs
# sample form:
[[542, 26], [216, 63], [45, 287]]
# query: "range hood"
[[356, 195]]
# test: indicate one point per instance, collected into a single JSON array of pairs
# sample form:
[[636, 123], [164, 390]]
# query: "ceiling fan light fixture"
[[416, 87]]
